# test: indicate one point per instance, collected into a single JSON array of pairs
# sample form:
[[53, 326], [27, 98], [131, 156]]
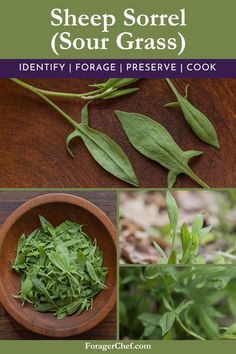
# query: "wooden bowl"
[[56, 207]]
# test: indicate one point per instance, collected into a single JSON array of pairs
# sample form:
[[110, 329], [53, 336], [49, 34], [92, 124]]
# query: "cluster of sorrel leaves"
[[149, 137], [190, 237], [62, 268], [188, 302]]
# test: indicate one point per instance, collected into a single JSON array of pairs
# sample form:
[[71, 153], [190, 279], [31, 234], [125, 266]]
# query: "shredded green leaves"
[[62, 269]]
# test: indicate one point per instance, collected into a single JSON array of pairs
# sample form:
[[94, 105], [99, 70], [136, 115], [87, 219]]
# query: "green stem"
[[192, 175], [93, 95], [173, 235], [177, 94], [188, 330], [168, 292], [67, 94], [73, 278], [52, 104]]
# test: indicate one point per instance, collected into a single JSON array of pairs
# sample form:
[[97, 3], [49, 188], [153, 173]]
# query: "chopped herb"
[[61, 268]]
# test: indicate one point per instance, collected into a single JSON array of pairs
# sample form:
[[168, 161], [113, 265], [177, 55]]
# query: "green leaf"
[[19, 262], [81, 260], [153, 141], [45, 307], [149, 319], [109, 155], [168, 336], [104, 150], [38, 285], [122, 312], [120, 93], [231, 329], [197, 224], [199, 123], [152, 272], [171, 105], [47, 226], [114, 83], [166, 322], [149, 331], [26, 287], [124, 82], [195, 243], [70, 137], [183, 305], [231, 291], [117, 83], [172, 211], [173, 258], [60, 261], [20, 244], [159, 249], [84, 114], [63, 252], [73, 307], [203, 232], [107, 84], [185, 238], [93, 274], [208, 324]]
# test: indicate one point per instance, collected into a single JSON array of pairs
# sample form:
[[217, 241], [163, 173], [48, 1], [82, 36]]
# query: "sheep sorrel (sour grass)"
[[167, 302]]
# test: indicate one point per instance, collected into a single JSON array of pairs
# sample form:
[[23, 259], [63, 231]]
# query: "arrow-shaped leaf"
[[153, 141]]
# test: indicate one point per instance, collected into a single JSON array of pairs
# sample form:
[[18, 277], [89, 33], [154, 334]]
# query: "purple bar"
[[105, 68]]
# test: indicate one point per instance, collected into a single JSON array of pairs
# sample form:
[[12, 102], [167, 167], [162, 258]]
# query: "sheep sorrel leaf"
[[190, 240], [166, 322], [172, 210], [153, 141], [54, 276], [115, 83], [104, 150], [199, 123]]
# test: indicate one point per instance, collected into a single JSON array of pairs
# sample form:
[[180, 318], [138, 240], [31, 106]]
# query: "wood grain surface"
[[32, 134], [9, 201]]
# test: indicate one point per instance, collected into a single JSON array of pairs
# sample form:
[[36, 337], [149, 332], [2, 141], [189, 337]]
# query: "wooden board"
[[10, 329], [32, 134]]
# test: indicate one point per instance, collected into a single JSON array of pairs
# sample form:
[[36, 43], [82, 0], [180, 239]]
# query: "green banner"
[[118, 29], [122, 347]]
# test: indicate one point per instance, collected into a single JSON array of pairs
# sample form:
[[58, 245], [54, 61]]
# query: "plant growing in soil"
[[167, 302], [190, 237]]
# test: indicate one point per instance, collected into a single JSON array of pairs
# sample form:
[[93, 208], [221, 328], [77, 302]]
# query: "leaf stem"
[[93, 95], [51, 103], [187, 330], [173, 88], [173, 236], [67, 94], [168, 292], [197, 179]]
